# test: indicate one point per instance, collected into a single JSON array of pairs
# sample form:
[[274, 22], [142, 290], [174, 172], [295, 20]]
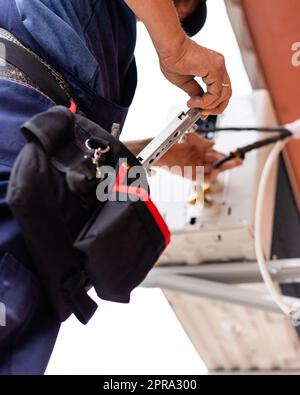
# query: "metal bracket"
[[216, 281]]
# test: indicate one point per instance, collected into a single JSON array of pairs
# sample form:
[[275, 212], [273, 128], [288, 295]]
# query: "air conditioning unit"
[[222, 230]]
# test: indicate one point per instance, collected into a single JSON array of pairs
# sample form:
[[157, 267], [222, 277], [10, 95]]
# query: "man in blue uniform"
[[91, 44]]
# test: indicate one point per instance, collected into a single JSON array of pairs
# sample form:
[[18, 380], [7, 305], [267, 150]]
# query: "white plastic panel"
[[230, 337]]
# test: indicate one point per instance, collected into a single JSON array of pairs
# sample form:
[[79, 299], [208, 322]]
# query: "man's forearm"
[[162, 22]]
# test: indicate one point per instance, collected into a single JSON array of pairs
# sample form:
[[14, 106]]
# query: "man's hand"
[[192, 60], [182, 60], [197, 151]]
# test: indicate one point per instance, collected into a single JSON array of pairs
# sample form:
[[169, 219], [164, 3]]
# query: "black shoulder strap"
[[35, 70]]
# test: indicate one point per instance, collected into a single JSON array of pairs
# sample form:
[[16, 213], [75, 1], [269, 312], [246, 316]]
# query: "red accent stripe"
[[159, 220], [73, 107], [145, 197], [121, 176]]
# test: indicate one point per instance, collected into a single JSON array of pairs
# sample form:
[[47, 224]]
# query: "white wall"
[[145, 337]]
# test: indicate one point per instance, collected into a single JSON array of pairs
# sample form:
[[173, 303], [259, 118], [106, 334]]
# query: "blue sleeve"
[[44, 19]]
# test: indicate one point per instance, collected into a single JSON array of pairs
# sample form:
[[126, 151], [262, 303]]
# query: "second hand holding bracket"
[[172, 134]]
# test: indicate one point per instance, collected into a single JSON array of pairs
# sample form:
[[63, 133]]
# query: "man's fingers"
[[199, 142], [211, 98], [218, 110], [225, 98], [192, 88], [209, 103], [216, 99], [231, 164], [205, 102], [224, 92], [212, 156], [214, 91], [196, 102], [227, 166], [221, 94]]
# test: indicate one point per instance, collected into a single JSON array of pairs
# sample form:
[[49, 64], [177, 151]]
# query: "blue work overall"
[[91, 43]]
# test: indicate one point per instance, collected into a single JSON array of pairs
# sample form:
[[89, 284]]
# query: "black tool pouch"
[[83, 226]]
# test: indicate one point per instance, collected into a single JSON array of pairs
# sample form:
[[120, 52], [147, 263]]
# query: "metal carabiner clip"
[[96, 157]]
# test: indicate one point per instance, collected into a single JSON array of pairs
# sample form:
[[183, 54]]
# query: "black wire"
[[242, 129], [283, 133]]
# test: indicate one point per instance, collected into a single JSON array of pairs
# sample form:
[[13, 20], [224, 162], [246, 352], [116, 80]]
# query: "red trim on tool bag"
[[73, 107], [121, 175], [145, 197]]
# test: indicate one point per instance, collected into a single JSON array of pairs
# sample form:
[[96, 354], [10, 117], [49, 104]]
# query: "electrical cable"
[[241, 152], [258, 229], [242, 129], [291, 311]]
